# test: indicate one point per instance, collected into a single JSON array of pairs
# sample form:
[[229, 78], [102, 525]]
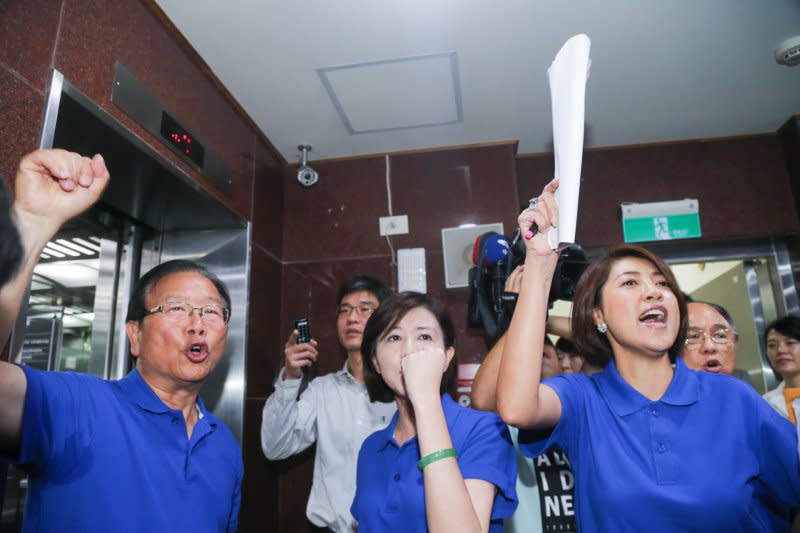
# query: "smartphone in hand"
[[304, 335], [302, 327]]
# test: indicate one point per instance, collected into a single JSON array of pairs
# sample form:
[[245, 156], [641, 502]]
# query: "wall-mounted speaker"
[[457, 244]]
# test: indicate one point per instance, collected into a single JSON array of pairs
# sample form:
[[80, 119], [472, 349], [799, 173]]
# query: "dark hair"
[[391, 311], [137, 307], [363, 283], [788, 326], [11, 250], [589, 342], [564, 345], [548, 342]]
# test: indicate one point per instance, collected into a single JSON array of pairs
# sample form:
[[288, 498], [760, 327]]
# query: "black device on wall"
[[182, 139]]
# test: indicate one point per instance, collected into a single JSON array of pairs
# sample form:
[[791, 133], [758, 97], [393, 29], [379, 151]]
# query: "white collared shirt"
[[335, 412]]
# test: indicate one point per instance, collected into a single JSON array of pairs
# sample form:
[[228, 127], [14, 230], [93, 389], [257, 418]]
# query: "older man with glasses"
[[334, 411], [141, 453], [710, 339]]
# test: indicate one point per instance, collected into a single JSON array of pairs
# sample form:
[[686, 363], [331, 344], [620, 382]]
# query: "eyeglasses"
[[361, 310], [718, 336], [210, 313]]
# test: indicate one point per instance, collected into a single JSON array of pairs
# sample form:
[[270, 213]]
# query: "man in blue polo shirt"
[[141, 453]]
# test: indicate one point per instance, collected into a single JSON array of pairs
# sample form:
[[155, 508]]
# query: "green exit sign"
[[659, 221]]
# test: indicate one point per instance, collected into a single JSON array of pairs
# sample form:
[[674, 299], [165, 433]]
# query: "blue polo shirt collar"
[[139, 392], [625, 400], [450, 408]]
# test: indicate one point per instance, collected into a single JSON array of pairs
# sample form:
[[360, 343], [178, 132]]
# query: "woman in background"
[[653, 447], [438, 466], [783, 352]]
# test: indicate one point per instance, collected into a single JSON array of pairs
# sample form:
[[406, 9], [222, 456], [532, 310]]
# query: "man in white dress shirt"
[[334, 411]]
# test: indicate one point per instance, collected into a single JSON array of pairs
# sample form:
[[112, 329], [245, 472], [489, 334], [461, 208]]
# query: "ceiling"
[[356, 77]]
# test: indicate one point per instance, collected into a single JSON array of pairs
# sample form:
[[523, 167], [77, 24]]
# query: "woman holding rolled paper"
[[437, 466], [654, 446]]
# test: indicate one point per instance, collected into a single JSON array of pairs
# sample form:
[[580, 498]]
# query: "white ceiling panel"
[[396, 94]]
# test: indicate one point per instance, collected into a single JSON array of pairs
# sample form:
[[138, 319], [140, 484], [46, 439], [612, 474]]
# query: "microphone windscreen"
[[497, 249]]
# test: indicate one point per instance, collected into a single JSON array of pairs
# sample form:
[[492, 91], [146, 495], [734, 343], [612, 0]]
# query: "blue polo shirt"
[[389, 487], [110, 456], [710, 455]]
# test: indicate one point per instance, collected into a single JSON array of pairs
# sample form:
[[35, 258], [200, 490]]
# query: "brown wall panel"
[[264, 338], [338, 217], [260, 487], [20, 121], [267, 202], [28, 31], [742, 185]]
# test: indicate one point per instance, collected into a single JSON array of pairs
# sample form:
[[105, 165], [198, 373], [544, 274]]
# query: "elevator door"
[[72, 304]]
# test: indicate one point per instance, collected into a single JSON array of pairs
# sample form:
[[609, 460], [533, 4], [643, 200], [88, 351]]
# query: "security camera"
[[307, 176], [788, 52]]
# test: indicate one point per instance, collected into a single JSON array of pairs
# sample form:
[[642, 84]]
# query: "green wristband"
[[435, 456]]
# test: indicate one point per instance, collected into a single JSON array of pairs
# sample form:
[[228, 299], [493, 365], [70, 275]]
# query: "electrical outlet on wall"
[[396, 225]]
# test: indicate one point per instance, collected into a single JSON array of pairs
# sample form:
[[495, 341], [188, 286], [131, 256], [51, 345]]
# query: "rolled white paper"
[[568, 75]]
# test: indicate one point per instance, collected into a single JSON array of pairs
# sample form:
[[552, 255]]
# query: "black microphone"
[[496, 254], [498, 285]]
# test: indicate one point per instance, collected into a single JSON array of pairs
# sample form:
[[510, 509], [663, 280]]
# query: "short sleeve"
[[534, 442], [488, 454], [54, 422]]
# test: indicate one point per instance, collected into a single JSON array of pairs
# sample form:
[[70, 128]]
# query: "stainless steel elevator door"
[[74, 303]]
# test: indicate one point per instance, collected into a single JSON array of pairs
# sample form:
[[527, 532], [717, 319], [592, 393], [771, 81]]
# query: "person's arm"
[[521, 399], [288, 423], [51, 186], [560, 326], [484, 386], [451, 502]]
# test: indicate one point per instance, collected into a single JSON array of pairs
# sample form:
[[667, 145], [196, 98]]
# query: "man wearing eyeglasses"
[[141, 453], [334, 411], [710, 339]]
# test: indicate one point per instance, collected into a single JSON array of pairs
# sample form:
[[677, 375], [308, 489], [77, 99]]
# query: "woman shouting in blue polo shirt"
[[654, 446], [438, 466]]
